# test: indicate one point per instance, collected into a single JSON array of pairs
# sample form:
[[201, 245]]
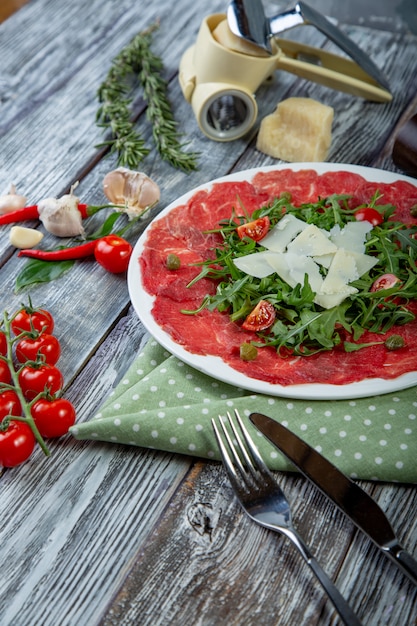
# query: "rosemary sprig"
[[137, 61]]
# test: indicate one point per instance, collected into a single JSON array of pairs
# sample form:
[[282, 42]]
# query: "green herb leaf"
[[301, 326], [37, 271], [137, 61]]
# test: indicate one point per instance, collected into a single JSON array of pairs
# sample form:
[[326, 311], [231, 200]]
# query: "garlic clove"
[[134, 190], [21, 237], [11, 201]]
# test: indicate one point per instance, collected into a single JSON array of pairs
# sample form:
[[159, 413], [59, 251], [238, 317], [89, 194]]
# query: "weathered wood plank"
[[97, 521], [73, 522], [207, 564]]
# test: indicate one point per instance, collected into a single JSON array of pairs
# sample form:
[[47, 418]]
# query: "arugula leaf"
[[301, 326]]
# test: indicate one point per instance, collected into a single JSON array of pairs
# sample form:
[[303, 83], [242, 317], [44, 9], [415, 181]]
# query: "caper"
[[285, 195], [173, 262], [248, 352], [394, 342], [413, 210]]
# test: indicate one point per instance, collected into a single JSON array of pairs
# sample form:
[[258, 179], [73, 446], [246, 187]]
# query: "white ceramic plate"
[[216, 367]]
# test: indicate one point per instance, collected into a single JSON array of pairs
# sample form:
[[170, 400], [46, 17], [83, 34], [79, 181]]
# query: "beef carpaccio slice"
[[183, 231]]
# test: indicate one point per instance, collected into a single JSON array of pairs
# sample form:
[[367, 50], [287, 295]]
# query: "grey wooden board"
[[91, 535]]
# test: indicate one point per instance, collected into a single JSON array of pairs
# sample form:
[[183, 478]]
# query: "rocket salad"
[[299, 325]]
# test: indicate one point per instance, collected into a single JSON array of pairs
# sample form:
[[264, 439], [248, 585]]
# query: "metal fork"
[[265, 503]]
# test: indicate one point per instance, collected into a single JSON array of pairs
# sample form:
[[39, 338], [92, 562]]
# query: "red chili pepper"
[[31, 213], [65, 254], [27, 213]]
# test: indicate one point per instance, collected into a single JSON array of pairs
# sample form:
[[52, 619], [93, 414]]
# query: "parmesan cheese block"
[[299, 130]]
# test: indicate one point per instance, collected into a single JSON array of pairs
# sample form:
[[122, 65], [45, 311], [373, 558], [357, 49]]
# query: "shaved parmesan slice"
[[311, 241], [255, 264], [342, 271], [296, 249], [352, 237], [292, 268], [364, 262], [324, 259], [283, 233], [328, 301]]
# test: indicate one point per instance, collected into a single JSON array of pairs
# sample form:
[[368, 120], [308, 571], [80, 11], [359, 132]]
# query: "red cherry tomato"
[[368, 214], [16, 444], [113, 253], [5, 376], [262, 317], [39, 379], [3, 344], [53, 417], [255, 230], [386, 281], [28, 320], [47, 346], [9, 404]]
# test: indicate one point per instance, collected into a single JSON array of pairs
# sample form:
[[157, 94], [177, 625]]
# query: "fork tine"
[[240, 444], [260, 463], [223, 450]]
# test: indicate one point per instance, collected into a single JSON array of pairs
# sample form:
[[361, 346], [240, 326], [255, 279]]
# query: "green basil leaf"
[[38, 271]]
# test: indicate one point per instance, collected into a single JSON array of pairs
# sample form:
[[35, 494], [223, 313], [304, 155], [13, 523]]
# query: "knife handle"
[[405, 561]]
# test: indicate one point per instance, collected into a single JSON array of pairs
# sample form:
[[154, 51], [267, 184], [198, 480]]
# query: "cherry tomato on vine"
[[5, 376], [262, 317], [45, 345], [368, 214], [386, 281], [53, 417], [16, 444], [40, 378], [9, 403], [255, 230], [28, 319], [3, 344], [113, 253]]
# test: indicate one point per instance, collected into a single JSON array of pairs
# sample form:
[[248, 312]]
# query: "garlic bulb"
[[11, 201], [136, 191], [60, 216], [21, 237]]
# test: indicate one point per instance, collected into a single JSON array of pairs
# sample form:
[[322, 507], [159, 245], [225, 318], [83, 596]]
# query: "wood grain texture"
[[106, 534]]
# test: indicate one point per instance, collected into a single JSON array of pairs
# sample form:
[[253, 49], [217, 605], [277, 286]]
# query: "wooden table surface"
[[110, 534]]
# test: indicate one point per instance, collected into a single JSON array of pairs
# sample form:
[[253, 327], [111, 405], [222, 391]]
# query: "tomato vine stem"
[[26, 406]]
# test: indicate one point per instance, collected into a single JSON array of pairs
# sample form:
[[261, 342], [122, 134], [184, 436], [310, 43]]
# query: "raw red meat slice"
[[182, 232]]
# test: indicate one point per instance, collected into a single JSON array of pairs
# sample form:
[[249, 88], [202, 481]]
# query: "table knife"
[[346, 494]]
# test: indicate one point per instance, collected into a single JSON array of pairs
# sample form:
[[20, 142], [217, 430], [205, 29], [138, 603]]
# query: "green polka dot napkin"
[[163, 403]]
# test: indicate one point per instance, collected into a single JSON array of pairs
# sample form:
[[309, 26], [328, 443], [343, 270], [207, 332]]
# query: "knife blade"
[[364, 512]]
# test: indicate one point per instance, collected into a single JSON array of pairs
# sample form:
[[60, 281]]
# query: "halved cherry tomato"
[[3, 344], [368, 214], [262, 317], [38, 379], [28, 319], [386, 281], [53, 417], [16, 444], [255, 230], [113, 253], [5, 375], [9, 404], [45, 345]]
